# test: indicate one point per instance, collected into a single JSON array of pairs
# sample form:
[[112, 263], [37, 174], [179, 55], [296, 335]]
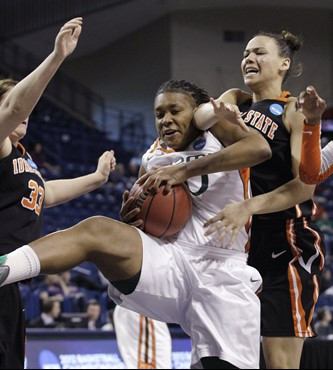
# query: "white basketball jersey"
[[210, 193]]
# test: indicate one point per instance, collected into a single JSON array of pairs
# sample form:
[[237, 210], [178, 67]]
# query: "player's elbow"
[[308, 179], [301, 191], [307, 192], [264, 151], [261, 149], [258, 152]]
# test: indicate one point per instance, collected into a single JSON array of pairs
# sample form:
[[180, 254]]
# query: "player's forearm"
[[24, 96], [61, 191], [280, 199], [310, 164], [205, 117], [27, 92], [247, 152], [316, 163]]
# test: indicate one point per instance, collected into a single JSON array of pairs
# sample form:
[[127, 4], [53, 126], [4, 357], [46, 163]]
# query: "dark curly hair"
[[288, 45], [199, 95]]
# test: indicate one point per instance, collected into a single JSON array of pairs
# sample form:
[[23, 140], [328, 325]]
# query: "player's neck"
[[270, 92]]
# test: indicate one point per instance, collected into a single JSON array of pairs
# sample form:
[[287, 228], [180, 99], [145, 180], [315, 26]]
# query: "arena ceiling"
[[106, 20]]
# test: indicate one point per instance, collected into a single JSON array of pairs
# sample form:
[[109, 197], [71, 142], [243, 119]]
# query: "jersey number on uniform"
[[34, 203], [204, 178]]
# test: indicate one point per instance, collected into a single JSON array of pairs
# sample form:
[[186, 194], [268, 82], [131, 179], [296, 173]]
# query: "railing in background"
[[38, 14], [77, 100]]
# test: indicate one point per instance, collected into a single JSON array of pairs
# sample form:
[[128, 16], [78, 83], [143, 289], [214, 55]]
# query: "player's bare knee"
[[109, 240], [97, 232]]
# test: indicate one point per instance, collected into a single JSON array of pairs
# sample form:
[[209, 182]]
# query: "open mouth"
[[251, 71], [169, 134]]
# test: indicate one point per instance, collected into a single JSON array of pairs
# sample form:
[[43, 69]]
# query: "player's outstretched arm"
[[20, 102], [61, 191], [316, 165], [234, 216], [223, 108]]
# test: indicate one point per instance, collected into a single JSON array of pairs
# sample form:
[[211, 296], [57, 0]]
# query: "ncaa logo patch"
[[276, 109], [199, 144]]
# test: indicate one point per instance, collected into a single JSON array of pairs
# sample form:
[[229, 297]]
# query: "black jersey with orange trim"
[[266, 117], [21, 200]]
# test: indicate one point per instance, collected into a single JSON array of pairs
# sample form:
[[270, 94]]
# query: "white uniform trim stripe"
[[316, 295], [317, 243], [146, 343], [298, 211], [310, 332], [294, 279], [298, 316], [153, 346], [314, 278]]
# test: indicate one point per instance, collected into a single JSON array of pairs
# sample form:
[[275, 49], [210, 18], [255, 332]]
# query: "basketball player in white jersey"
[[205, 287], [143, 343]]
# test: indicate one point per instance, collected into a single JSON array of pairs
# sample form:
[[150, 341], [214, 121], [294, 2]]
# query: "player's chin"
[[173, 144], [17, 136], [252, 81]]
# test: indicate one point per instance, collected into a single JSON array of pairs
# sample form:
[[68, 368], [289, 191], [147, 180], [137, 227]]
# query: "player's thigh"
[[116, 249], [165, 287], [226, 313]]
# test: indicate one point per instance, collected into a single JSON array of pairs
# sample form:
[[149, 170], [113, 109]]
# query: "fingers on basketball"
[[163, 214]]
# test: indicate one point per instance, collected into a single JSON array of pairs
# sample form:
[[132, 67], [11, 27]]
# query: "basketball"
[[163, 214]]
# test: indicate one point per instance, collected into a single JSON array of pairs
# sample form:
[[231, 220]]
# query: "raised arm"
[[316, 164], [21, 100], [62, 191]]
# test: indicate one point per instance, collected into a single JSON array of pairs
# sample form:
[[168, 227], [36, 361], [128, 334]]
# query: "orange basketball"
[[163, 214]]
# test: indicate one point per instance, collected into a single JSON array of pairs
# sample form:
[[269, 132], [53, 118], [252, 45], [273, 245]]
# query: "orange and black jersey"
[[21, 200], [266, 117]]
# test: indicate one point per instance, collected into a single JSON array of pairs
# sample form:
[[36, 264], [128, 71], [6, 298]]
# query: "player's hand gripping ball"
[[163, 214]]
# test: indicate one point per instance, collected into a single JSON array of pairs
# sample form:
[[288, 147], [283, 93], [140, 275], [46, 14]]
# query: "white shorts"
[[208, 291], [143, 343]]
